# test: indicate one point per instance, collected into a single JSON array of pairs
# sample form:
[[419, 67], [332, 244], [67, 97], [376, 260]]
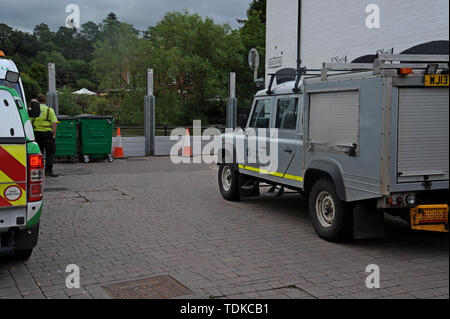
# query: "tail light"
[[35, 177]]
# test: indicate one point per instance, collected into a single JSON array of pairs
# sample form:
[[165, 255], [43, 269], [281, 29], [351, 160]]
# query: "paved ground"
[[140, 218]]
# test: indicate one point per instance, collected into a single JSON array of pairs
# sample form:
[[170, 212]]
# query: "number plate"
[[436, 80]]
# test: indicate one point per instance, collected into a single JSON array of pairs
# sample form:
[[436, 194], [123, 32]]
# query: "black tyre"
[[23, 254], [331, 218], [228, 182]]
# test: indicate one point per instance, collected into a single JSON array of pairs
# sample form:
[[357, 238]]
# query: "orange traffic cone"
[[187, 150], [118, 146]]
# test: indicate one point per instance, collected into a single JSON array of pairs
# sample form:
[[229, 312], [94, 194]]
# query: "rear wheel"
[[228, 182], [331, 218]]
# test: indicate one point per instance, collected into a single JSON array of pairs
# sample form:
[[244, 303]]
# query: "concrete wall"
[[132, 146], [338, 28]]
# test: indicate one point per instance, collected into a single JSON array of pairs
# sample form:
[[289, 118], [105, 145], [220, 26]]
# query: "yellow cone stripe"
[[263, 171]]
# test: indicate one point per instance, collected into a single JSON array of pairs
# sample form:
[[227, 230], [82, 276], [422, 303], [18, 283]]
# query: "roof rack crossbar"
[[269, 89], [427, 58], [385, 61]]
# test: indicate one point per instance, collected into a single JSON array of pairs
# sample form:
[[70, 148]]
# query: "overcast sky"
[[25, 14]]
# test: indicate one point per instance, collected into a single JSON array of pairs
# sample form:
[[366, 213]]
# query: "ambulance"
[[21, 169]]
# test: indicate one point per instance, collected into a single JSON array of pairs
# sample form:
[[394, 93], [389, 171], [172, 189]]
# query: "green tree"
[[67, 102], [30, 86], [193, 56], [131, 110], [38, 72], [118, 55], [101, 106], [85, 83]]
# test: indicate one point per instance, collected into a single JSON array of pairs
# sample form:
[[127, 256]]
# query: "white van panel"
[[10, 121], [423, 120]]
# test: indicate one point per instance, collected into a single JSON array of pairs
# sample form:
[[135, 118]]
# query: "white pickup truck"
[[21, 169], [357, 139]]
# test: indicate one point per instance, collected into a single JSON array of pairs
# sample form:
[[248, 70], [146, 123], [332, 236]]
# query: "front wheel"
[[331, 218], [228, 182]]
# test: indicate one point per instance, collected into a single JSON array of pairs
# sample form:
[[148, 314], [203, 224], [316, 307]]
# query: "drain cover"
[[160, 287]]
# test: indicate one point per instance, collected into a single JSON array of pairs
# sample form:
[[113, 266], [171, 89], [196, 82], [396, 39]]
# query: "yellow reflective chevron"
[[263, 171], [13, 175]]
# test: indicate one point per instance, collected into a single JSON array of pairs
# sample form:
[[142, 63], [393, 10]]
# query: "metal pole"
[[231, 111], [149, 116], [52, 94]]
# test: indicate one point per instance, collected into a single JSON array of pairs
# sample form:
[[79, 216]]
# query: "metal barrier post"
[[231, 111], [149, 116], [52, 94]]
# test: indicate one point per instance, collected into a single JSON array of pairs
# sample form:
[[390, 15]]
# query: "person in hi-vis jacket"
[[45, 133]]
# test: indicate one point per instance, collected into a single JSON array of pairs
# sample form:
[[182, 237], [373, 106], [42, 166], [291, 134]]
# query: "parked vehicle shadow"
[[398, 233]]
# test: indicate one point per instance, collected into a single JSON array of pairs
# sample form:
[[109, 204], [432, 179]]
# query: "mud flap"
[[249, 187], [368, 222], [27, 238]]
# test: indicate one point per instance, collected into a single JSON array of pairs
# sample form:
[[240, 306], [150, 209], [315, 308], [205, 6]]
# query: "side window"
[[10, 120], [287, 110], [261, 114]]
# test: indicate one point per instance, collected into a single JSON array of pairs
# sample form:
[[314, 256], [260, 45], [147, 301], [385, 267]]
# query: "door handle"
[[287, 150]]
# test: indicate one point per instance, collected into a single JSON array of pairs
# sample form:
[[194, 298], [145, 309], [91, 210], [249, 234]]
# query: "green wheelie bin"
[[95, 132], [66, 138]]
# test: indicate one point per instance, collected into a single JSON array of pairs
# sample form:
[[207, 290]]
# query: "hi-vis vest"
[[44, 122]]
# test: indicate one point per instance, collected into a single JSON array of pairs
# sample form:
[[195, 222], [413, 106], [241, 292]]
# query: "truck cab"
[[357, 139], [21, 172]]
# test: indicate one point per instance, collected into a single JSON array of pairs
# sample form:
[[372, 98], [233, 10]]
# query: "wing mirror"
[[12, 76]]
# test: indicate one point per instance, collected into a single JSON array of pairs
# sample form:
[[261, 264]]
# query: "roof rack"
[[302, 71], [389, 62], [382, 62]]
